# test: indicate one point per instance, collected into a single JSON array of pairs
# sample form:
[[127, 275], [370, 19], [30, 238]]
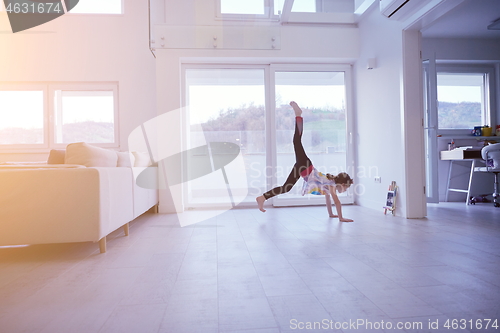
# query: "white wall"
[[87, 48], [380, 141], [461, 48]]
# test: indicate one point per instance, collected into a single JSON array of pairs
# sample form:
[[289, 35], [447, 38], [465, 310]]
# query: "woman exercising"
[[315, 182]]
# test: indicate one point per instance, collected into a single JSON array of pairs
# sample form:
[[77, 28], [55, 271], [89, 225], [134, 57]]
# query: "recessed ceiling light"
[[495, 25]]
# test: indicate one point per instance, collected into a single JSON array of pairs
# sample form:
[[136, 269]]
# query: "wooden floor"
[[247, 271]]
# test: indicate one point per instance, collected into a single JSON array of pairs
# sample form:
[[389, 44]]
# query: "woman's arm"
[[338, 205], [329, 206]]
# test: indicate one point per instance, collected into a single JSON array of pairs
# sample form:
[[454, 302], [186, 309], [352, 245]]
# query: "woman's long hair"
[[340, 179]]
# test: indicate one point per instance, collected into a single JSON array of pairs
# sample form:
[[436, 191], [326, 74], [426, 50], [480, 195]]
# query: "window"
[[53, 115], [248, 105], [304, 6], [242, 7], [98, 7], [323, 6], [465, 97], [323, 96], [461, 102], [84, 116], [262, 8], [227, 105], [22, 117], [248, 9], [303, 10]]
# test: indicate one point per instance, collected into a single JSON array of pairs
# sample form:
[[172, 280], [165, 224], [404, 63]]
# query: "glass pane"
[[98, 7], [87, 116], [278, 6], [255, 7], [228, 105], [21, 117], [321, 96], [304, 6], [429, 134], [323, 6], [460, 101]]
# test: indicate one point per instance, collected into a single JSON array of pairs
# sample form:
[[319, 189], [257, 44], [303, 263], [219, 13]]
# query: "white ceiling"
[[469, 19]]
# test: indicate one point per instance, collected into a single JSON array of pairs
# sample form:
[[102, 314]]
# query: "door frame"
[[431, 129], [270, 68]]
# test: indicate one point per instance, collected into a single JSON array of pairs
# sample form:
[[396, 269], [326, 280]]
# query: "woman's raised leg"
[[302, 162]]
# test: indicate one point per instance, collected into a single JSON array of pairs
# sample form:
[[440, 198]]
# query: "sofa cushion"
[[141, 159], [125, 159], [56, 156], [90, 156]]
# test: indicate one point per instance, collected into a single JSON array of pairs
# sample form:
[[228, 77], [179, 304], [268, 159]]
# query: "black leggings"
[[302, 162]]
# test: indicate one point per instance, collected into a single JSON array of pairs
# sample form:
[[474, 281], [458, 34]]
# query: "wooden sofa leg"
[[126, 228], [102, 245]]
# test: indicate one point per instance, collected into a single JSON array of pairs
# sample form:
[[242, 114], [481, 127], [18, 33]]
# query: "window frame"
[[488, 98], [49, 130], [270, 68]]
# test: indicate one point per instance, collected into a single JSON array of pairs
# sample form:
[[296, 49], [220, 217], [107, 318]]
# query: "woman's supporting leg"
[[287, 186]]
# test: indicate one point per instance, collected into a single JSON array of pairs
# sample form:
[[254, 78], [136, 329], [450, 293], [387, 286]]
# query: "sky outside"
[[257, 7], [207, 101], [24, 109], [456, 94]]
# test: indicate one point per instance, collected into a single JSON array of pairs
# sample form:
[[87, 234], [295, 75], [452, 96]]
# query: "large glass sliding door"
[[226, 105], [323, 99], [249, 106]]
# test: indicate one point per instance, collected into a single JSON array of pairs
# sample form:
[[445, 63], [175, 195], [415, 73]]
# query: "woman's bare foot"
[[296, 108], [260, 201]]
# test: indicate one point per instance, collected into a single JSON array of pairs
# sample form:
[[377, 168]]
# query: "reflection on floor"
[[247, 271]]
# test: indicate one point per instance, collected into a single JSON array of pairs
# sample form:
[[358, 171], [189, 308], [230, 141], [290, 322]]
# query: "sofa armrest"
[[144, 198], [116, 198]]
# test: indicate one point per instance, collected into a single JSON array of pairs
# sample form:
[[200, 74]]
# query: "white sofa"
[[62, 203]]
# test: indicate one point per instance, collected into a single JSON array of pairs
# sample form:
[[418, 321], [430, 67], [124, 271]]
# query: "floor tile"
[[248, 272]]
